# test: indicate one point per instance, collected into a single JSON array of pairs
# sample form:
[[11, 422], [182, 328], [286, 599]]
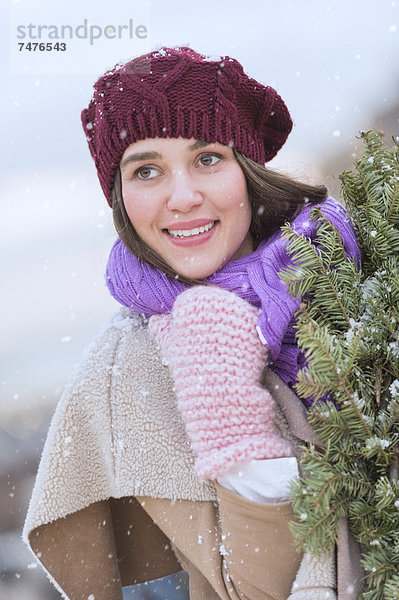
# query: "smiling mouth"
[[183, 233]]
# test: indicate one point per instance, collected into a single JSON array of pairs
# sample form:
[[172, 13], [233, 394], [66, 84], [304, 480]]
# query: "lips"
[[191, 233], [189, 224], [182, 233]]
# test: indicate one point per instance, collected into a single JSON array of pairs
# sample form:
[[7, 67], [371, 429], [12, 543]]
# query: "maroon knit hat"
[[176, 92]]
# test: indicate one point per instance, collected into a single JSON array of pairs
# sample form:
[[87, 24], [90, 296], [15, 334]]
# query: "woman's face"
[[188, 201]]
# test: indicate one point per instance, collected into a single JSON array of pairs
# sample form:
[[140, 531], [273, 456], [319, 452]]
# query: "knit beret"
[[177, 92]]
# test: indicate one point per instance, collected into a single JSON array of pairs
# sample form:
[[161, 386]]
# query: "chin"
[[199, 272], [199, 275]]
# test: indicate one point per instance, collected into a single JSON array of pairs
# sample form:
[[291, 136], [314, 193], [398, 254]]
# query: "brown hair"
[[275, 198]]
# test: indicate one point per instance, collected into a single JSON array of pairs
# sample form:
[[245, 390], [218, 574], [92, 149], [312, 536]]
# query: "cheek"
[[138, 210], [237, 202], [233, 193], [242, 211]]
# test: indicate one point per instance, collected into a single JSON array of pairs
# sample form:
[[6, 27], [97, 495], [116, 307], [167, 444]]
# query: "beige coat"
[[117, 502]]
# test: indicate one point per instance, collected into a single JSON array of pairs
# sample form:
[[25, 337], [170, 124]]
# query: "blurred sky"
[[336, 64]]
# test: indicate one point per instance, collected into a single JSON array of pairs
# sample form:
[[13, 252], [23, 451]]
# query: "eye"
[[145, 172], [209, 159]]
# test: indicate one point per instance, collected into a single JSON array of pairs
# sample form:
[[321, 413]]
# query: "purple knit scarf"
[[254, 277]]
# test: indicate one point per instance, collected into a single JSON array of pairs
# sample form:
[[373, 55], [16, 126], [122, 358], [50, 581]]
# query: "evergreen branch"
[[309, 266], [394, 206], [304, 540], [339, 477], [321, 353], [349, 332]]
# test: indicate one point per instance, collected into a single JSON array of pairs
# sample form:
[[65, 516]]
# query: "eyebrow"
[[139, 156]]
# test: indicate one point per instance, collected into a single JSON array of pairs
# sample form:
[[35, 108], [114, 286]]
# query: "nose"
[[183, 194]]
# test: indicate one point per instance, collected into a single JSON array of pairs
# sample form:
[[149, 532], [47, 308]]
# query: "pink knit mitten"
[[216, 358]]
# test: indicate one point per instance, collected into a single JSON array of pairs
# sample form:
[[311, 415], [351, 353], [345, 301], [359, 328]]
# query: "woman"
[[167, 449]]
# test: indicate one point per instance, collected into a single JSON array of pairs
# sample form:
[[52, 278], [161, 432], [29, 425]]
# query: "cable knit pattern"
[[217, 360], [176, 92]]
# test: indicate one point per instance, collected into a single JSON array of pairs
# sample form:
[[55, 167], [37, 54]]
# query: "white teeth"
[[187, 232]]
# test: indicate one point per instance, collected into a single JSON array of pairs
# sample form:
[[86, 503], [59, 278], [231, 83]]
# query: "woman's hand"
[[210, 343]]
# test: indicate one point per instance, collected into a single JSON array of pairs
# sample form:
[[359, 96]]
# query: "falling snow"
[[223, 550]]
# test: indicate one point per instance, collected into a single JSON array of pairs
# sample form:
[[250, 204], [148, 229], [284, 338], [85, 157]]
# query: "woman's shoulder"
[[122, 398], [123, 326], [124, 322], [120, 351]]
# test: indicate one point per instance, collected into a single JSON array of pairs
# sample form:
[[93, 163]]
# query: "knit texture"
[[217, 360], [177, 92], [254, 277], [111, 437]]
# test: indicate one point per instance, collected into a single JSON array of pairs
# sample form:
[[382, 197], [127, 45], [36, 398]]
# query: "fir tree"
[[348, 327]]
